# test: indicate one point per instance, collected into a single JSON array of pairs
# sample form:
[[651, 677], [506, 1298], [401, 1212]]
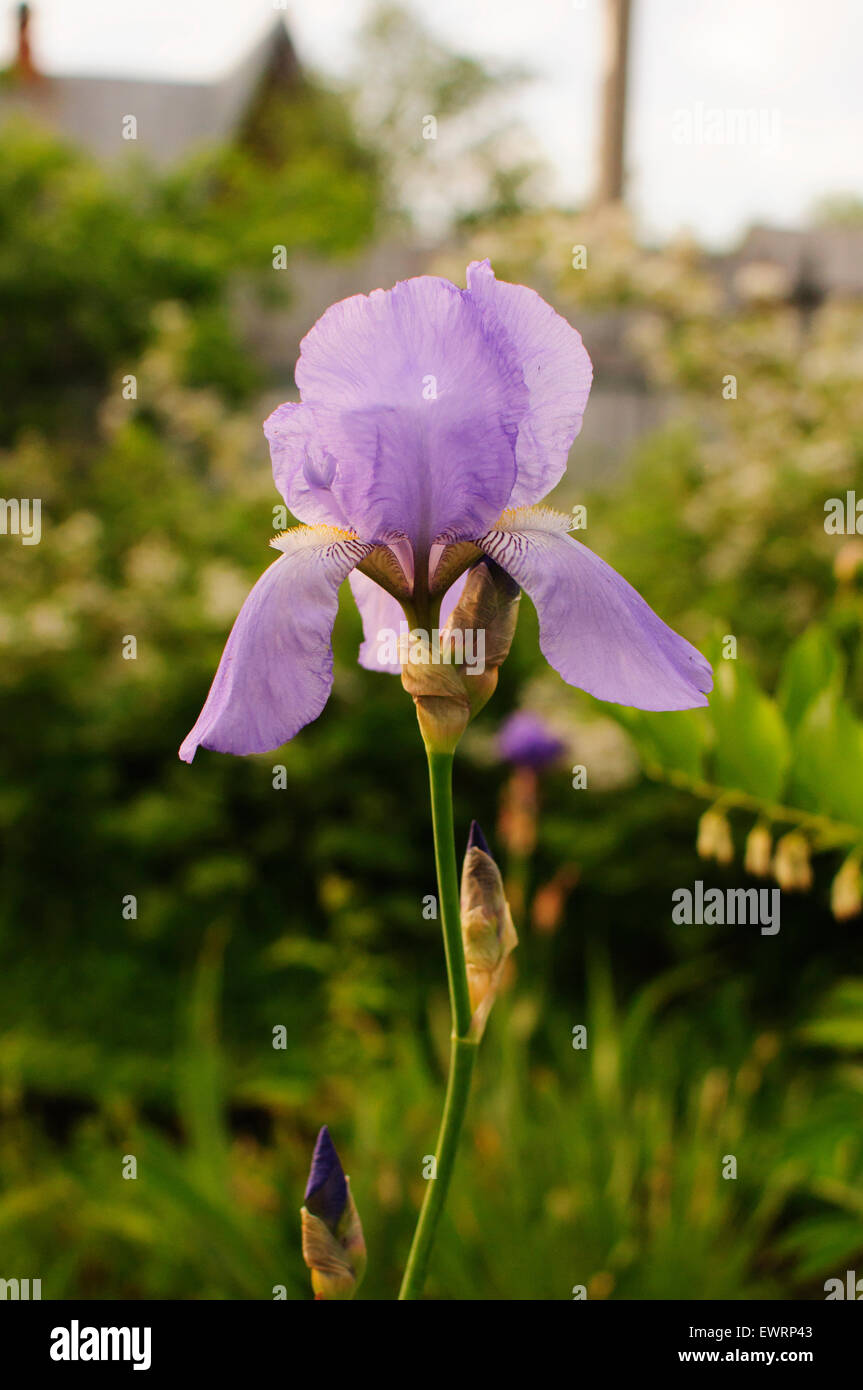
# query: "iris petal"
[[418, 398], [380, 613], [303, 470], [276, 671], [557, 372], [594, 628]]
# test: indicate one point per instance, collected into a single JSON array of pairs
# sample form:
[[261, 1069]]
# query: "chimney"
[[24, 65]]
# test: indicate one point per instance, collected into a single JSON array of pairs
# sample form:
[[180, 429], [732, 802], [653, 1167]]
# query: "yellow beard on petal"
[[298, 537], [538, 518]]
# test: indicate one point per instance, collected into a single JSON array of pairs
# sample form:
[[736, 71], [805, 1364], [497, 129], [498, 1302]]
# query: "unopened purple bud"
[[476, 839], [326, 1189], [333, 1244]]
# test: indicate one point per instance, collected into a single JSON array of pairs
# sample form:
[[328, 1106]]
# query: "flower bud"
[[333, 1245], [714, 838], [449, 693], [487, 931], [791, 865], [488, 606], [759, 845], [846, 893]]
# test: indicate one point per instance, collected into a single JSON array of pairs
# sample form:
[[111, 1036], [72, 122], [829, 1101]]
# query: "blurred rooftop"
[[173, 118]]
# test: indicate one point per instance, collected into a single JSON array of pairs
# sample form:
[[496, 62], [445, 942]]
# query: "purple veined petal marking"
[[594, 628], [527, 741], [327, 1189]]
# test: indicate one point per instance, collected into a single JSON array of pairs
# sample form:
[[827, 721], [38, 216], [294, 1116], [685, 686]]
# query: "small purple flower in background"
[[432, 421], [526, 740], [333, 1245]]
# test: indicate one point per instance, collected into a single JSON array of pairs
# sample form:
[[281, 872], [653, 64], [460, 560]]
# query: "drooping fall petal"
[[276, 670], [594, 628]]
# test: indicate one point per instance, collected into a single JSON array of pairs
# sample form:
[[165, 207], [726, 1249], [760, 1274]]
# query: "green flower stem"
[[440, 785], [462, 1057], [463, 1047]]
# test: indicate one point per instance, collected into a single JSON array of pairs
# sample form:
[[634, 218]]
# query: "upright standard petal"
[[418, 400], [594, 628], [303, 470], [276, 670], [557, 372]]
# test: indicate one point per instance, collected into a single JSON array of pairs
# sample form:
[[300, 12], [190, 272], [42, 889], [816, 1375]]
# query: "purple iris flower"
[[326, 1189], [432, 420], [527, 741]]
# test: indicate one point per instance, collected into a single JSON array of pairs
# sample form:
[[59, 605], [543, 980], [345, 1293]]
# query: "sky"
[[740, 110]]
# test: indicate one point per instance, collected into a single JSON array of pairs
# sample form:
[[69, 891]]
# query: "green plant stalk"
[[463, 1047], [829, 833]]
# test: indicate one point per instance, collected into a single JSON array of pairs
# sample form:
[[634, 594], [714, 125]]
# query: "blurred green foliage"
[[86, 253]]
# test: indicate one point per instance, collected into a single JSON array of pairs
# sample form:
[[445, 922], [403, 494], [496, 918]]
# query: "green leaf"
[[828, 760], [821, 1244], [839, 1020], [673, 741], [201, 1082], [812, 665], [752, 742]]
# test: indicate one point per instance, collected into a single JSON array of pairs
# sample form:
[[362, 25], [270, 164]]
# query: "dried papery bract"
[[488, 605], [447, 694]]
